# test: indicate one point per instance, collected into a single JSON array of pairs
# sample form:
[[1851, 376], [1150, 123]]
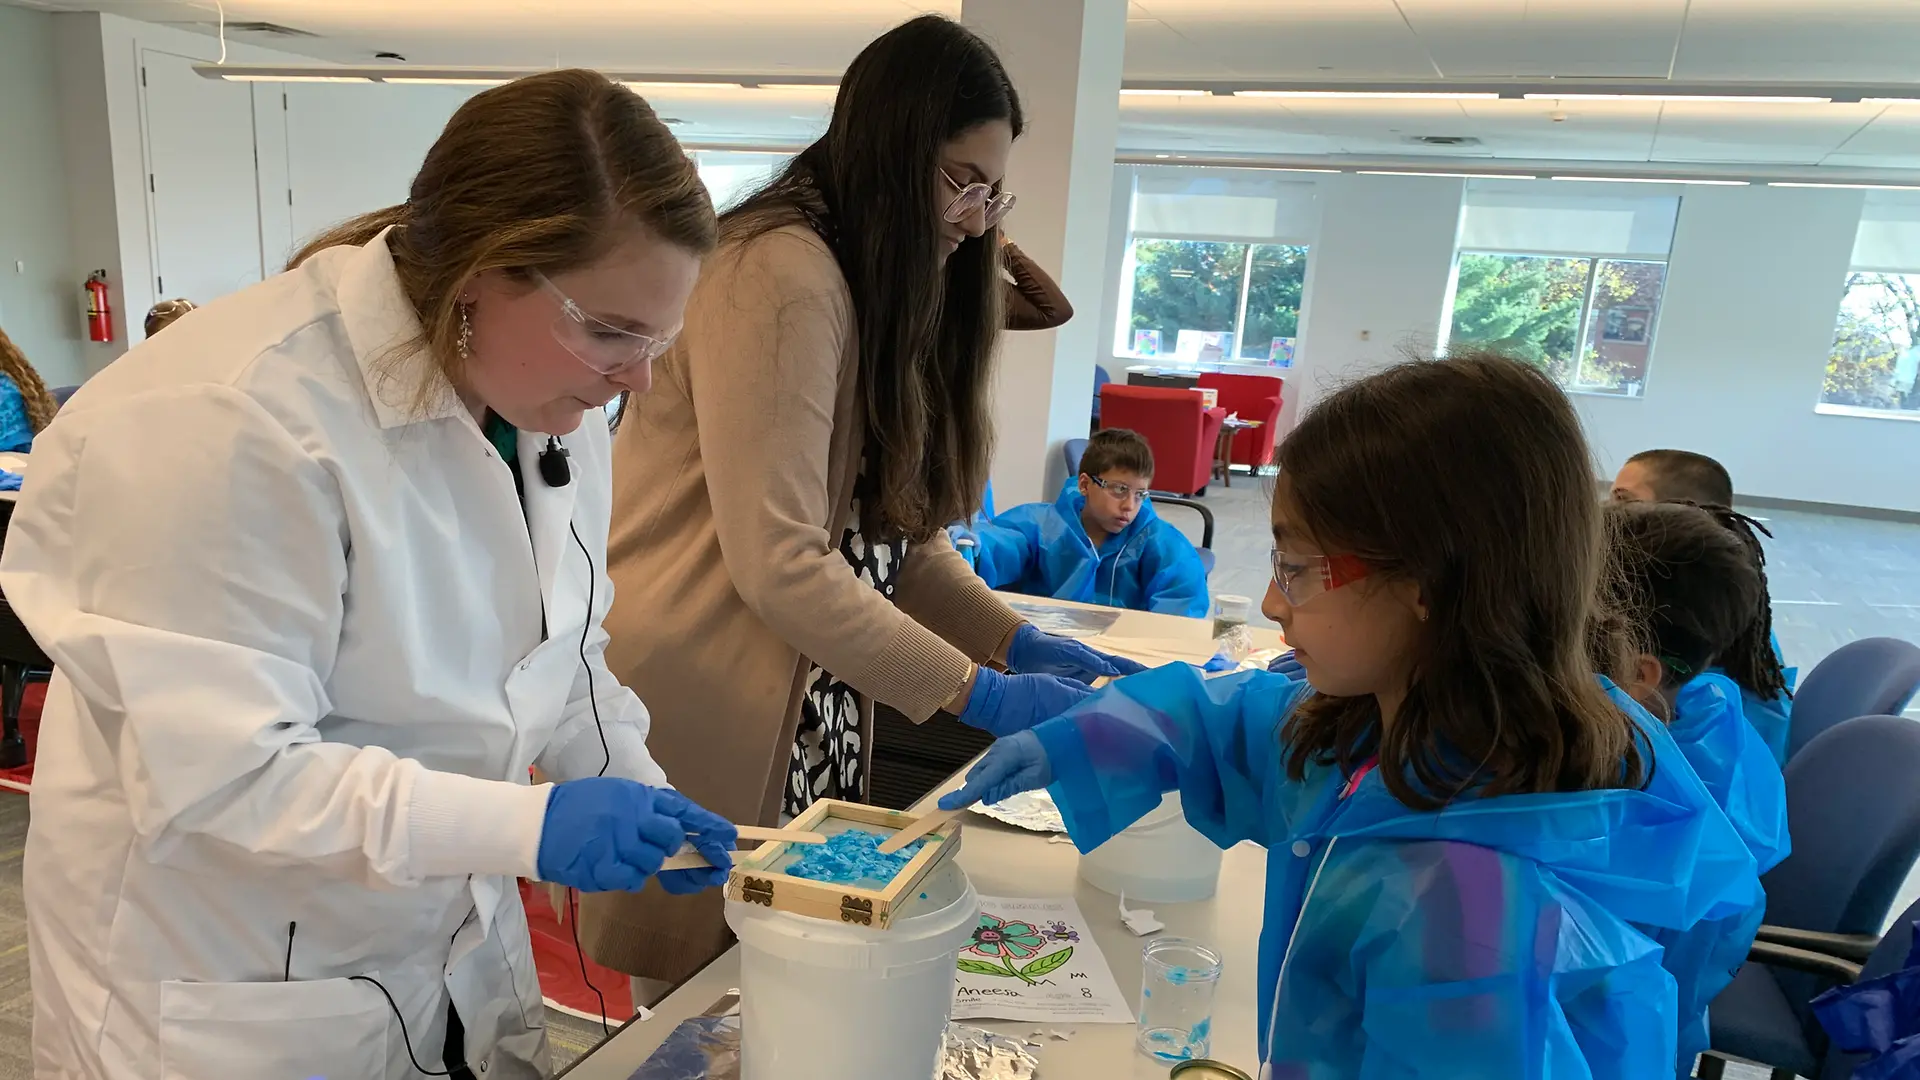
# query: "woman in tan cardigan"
[[778, 547]]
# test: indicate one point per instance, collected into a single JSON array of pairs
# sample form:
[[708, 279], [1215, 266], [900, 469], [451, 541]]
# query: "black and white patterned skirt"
[[827, 760]]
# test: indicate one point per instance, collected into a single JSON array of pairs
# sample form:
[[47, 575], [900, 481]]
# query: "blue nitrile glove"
[[1288, 664], [966, 543], [1003, 704], [1035, 652], [1012, 765], [605, 833]]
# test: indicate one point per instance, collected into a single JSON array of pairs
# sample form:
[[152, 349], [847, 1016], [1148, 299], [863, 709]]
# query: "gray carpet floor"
[[1834, 579]]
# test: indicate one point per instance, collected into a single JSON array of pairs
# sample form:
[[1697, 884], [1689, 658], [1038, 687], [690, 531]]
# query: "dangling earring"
[[465, 345]]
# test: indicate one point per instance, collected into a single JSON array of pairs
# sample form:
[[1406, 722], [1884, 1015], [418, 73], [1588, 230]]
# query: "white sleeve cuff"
[[462, 825]]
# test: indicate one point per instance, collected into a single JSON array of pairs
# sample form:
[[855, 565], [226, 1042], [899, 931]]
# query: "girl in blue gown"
[[1690, 582], [1468, 829]]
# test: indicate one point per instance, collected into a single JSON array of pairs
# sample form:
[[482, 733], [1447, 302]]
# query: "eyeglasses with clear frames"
[[1303, 577], [600, 345], [1122, 492], [973, 197]]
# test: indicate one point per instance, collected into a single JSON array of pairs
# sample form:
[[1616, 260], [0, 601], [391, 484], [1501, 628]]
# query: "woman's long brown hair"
[[927, 333], [539, 174], [40, 403], [1470, 477]]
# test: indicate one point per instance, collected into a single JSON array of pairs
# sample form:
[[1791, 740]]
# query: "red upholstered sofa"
[[1178, 426], [1253, 397]]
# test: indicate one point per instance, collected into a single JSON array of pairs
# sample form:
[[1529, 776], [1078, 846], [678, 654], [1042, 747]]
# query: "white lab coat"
[[302, 675]]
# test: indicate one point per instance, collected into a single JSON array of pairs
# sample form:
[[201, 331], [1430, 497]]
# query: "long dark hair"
[[927, 336], [1693, 580], [537, 174], [1468, 476]]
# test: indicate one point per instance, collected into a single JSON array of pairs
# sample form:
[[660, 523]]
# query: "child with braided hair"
[[1691, 581], [1753, 661], [1682, 476]]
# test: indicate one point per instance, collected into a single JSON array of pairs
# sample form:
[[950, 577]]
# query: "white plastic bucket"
[[834, 1001], [1159, 859]]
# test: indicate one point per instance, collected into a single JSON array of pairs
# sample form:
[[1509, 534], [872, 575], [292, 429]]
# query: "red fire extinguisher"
[[99, 311]]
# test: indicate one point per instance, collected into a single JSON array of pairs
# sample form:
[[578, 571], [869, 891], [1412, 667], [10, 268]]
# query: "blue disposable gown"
[[1772, 718], [1740, 774], [16, 432], [1493, 938], [1042, 549]]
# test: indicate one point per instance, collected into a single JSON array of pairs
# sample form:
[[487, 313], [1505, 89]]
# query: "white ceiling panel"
[[1156, 50], [1303, 38], [1584, 130], [1594, 38], [1851, 40], [1892, 140], [1728, 40], [1792, 134]]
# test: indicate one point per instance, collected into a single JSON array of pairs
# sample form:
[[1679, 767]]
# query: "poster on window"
[[1280, 353], [1036, 960], [1627, 325], [1146, 342]]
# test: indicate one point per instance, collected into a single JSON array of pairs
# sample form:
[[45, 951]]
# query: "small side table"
[[1223, 450]]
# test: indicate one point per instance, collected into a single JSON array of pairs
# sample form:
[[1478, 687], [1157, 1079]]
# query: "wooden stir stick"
[[689, 859], [920, 828]]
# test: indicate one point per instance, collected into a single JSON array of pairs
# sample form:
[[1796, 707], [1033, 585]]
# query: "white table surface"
[[1004, 861]]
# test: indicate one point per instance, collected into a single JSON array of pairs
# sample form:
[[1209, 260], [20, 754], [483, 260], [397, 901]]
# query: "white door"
[[200, 167], [354, 148]]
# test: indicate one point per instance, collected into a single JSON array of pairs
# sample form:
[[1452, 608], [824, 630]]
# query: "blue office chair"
[[1100, 379], [1869, 677], [60, 394], [1853, 811], [1206, 524], [1074, 449]]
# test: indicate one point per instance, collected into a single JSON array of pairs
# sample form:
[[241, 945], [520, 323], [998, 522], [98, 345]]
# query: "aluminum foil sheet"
[[1030, 810], [708, 1048]]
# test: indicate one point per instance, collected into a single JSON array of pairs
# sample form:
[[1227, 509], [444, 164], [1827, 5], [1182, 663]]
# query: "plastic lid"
[[1206, 1069]]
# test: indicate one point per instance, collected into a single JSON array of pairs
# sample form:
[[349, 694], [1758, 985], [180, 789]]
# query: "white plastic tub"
[[1159, 859], [834, 1001]]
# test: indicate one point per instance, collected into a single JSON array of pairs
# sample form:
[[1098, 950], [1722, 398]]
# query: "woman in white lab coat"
[[312, 632]]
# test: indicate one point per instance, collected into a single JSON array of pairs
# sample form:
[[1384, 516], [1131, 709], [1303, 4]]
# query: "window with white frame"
[[1569, 280], [1874, 365], [1215, 266], [731, 176]]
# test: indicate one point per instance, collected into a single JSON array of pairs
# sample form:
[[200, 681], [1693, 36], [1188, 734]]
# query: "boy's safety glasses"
[[973, 197], [600, 345], [1303, 577], [1123, 492]]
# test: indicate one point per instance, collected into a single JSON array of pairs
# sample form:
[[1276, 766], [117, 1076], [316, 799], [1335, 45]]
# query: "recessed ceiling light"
[[1447, 175], [1164, 93], [1850, 187], [298, 78], [1732, 99], [1374, 95], [1657, 180], [410, 79]]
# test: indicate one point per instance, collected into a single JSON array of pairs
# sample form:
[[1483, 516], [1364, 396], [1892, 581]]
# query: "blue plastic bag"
[[1880, 1017]]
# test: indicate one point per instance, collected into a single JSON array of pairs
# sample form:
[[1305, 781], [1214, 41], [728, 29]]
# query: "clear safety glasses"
[[1122, 492], [973, 197], [1303, 577], [600, 345]]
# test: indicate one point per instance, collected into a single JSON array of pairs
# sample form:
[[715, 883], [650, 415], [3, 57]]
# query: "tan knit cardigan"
[[733, 480]]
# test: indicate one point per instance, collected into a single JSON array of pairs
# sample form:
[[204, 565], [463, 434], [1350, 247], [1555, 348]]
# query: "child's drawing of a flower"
[[1006, 938]]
